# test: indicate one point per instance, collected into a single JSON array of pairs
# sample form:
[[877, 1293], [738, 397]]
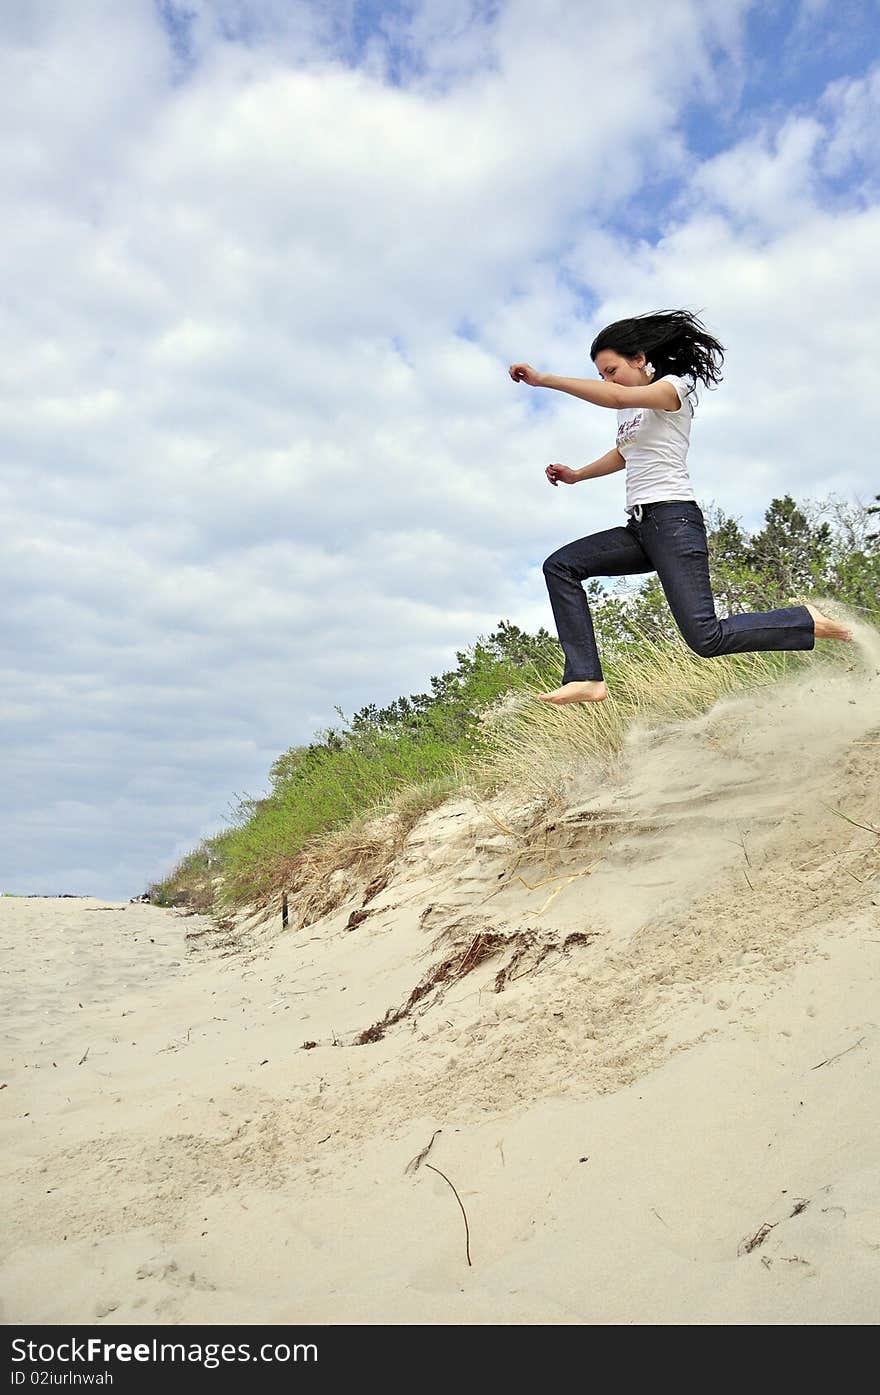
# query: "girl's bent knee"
[[707, 646], [560, 564]]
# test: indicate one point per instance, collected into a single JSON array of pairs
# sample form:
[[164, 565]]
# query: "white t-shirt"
[[654, 445]]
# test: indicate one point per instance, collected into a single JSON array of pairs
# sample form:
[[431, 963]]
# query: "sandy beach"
[[667, 1115]]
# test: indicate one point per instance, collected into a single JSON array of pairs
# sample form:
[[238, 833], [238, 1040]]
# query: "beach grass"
[[348, 807]]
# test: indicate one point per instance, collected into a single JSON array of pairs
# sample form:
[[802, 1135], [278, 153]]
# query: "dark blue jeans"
[[670, 539]]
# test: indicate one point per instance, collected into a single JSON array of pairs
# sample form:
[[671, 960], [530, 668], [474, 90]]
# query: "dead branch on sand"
[[869, 828], [829, 1059], [467, 1234]]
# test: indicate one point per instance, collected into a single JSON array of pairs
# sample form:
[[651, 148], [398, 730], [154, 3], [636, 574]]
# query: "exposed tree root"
[[528, 948]]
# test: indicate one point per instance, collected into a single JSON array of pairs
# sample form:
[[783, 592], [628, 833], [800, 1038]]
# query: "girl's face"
[[614, 369]]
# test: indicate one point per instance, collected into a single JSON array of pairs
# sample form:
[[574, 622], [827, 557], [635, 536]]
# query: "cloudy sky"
[[266, 263]]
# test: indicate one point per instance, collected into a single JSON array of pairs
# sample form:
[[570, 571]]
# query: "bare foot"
[[828, 629], [588, 691]]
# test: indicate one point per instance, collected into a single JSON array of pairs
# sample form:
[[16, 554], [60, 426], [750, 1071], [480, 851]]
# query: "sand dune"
[[666, 1115]]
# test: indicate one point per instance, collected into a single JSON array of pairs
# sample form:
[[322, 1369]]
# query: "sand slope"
[[667, 1115]]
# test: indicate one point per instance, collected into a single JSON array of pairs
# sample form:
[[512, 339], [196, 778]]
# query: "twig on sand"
[[829, 1059], [553, 894], [740, 842], [83, 1056], [855, 823], [564, 879], [415, 1163], [467, 1234], [511, 833], [752, 1242], [475, 944], [568, 881]]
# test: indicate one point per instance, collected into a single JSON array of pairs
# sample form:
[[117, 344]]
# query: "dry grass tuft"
[[532, 746], [323, 875]]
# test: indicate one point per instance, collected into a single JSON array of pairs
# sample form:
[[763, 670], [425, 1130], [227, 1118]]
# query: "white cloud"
[[766, 183], [853, 106], [262, 453]]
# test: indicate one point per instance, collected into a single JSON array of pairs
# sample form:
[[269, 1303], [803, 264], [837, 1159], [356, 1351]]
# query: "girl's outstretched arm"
[[661, 396]]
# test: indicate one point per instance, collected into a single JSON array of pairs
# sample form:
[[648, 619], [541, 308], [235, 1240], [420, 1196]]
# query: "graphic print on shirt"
[[627, 430]]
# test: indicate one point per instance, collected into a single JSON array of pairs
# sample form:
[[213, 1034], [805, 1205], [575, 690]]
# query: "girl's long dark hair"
[[675, 341]]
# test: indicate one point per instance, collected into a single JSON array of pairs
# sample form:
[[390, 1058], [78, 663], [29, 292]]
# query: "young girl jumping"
[[649, 366]]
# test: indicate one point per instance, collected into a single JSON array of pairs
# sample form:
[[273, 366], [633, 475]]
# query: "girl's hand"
[[525, 373], [555, 473]]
